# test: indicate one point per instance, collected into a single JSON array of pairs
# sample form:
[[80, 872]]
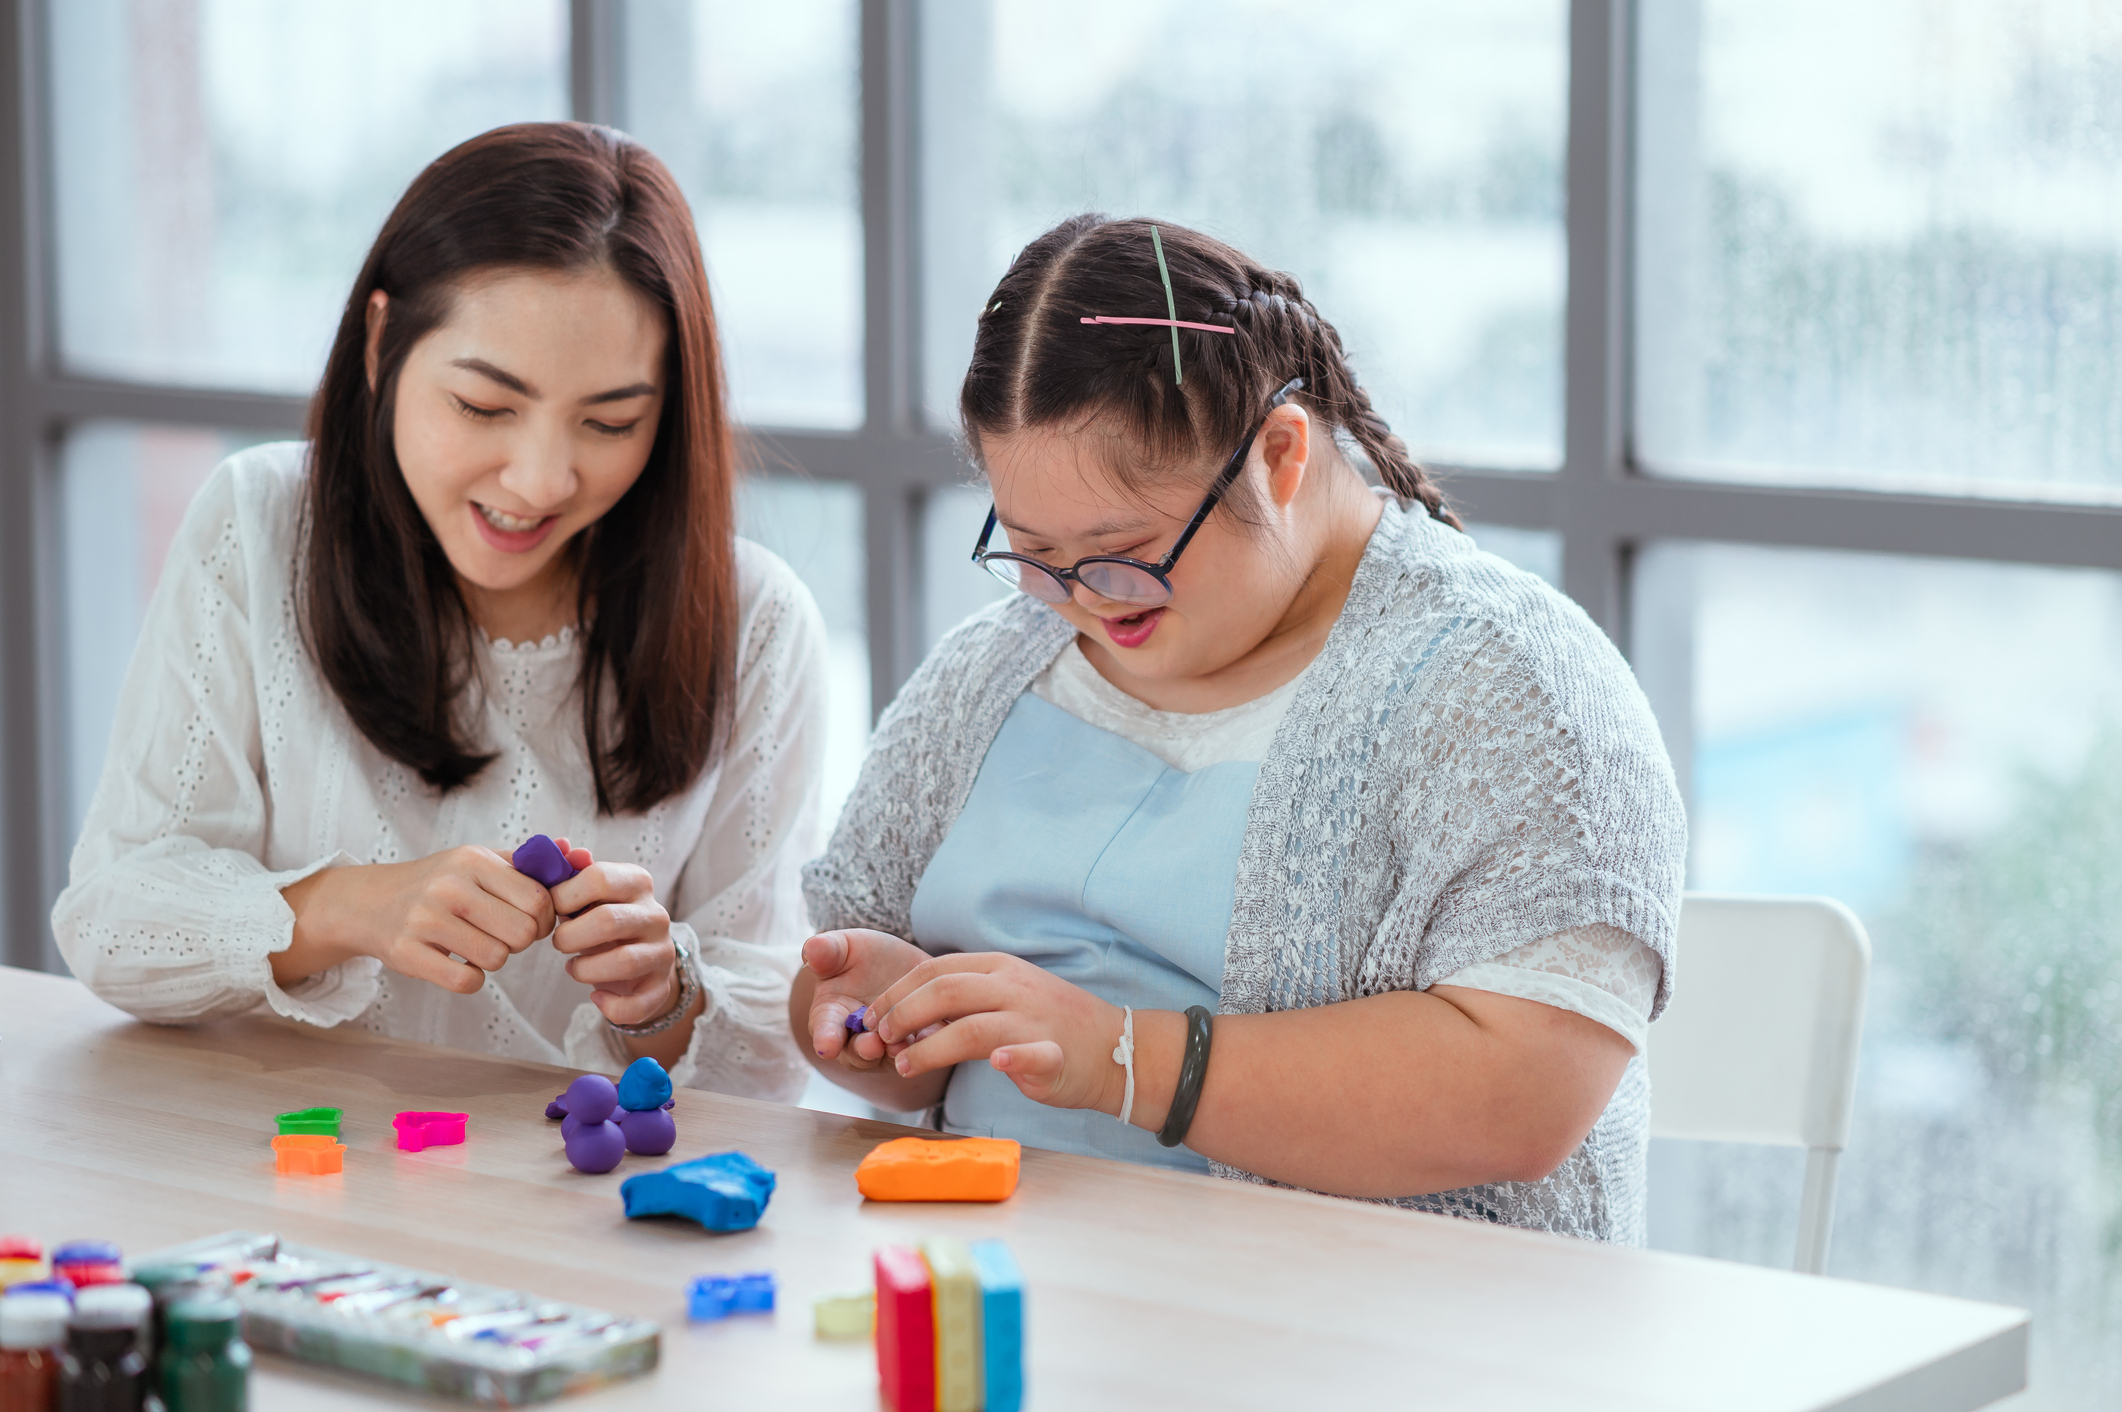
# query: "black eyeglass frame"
[[1161, 570]]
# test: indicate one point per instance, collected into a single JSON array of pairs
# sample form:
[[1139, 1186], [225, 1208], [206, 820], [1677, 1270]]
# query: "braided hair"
[[1035, 363]]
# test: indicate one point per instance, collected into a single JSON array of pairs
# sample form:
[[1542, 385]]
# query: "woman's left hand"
[[617, 937], [1052, 1039]]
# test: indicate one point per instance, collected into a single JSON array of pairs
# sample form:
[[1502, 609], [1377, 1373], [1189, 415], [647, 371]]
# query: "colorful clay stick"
[[311, 1120], [959, 1367], [82, 1263], [308, 1155], [1001, 1324], [541, 858], [718, 1296], [644, 1085], [724, 1192], [906, 1331], [848, 1316], [419, 1131], [21, 1260], [940, 1169]]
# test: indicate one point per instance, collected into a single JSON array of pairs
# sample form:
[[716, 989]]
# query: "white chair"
[[1759, 1043]]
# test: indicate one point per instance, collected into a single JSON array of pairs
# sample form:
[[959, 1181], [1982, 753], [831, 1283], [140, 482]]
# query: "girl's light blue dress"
[[1086, 854]]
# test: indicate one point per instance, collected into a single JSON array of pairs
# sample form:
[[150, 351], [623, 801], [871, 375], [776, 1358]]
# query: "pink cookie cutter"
[[421, 1130]]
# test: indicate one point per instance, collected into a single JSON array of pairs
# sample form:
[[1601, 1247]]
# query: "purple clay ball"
[[568, 1123], [651, 1132], [596, 1147], [591, 1098]]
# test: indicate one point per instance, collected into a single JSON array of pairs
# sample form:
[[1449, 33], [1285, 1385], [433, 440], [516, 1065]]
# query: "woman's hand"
[[1054, 1040], [447, 919], [852, 968], [617, 938]]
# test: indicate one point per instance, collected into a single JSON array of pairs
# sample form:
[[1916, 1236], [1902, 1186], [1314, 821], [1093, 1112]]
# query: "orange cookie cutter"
[[308, 1155]]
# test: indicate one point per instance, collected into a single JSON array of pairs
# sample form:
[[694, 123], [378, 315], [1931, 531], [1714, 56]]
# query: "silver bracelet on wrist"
[[688, 992]]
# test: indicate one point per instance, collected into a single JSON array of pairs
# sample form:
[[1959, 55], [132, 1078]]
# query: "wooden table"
[[1145, 1288]]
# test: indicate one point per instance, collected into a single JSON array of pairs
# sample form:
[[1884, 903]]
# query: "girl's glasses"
[[1129, 581]]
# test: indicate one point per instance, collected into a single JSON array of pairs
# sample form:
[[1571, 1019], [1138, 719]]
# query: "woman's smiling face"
[[520, 420]]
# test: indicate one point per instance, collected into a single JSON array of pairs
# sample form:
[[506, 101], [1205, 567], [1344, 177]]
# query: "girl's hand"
[[852, 967], [1052, 1039], [417, 918], [618, 938]]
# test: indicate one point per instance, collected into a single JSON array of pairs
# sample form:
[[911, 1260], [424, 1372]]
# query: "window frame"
[[1600, 503]]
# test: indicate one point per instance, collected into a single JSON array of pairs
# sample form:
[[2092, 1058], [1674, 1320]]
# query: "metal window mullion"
[[1594, 546], [594, 80], [890, 342]]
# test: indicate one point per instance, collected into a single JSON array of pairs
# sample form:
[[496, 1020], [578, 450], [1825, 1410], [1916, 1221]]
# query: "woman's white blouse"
[[234, 772]]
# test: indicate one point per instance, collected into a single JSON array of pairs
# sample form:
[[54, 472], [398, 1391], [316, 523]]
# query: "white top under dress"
[[233, 772]]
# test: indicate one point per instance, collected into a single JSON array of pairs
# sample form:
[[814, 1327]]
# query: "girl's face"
[[523, 417], [1233, 590]]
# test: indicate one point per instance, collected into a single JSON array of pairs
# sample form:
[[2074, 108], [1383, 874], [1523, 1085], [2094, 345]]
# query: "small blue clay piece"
[[644, 1085], [718, 1296], [650, 1132], [854, 1020], [541, 858], [725, 1192]]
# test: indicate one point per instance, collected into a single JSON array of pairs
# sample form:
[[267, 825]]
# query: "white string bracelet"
[[1124, 1053]]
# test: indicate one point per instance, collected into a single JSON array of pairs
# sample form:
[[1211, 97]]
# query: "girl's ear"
[[378, 307], [1285, 445]]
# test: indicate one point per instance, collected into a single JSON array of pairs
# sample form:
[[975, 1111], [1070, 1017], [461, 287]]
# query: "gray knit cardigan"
[[1468, 766]]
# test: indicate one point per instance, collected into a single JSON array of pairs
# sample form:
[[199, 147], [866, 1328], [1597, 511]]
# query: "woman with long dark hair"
[[1273, 828], [497, 593]]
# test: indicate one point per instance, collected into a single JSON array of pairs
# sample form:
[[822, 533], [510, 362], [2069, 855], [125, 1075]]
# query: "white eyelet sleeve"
[[1599, 972], [169, 913], [740, 898]]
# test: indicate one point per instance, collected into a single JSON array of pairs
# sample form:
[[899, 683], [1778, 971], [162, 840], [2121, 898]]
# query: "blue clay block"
[[644, 1085], [725, 1192], [717, 1296], [1002, 1324]]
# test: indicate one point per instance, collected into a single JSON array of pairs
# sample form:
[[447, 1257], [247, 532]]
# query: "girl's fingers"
[[949, 995], [500, 919], [496, 876], [980, 963], [827, 955], [423, 961], [973, 1038], [1035, 1068], [602, 883], [642, 1001]]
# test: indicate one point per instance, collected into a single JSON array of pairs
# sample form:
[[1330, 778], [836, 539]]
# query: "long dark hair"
[[656, 576], [1035, 363]]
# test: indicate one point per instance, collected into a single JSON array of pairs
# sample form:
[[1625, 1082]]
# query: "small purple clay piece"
[[541, 858], [650, 1132], [854, 1020], [596, 1147], [557, 1108], [590, 1099]]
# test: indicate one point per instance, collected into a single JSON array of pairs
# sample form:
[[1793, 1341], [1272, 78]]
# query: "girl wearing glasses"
[[497, 593], [1273, 829]]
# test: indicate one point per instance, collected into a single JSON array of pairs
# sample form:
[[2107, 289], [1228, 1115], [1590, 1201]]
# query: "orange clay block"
[[946, 1169], [308, 1155]]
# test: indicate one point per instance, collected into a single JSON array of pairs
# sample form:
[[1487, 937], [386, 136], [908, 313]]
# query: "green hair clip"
[[1171, 305]]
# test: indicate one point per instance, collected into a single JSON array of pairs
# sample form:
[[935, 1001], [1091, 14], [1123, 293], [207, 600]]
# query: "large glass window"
[[1939, 745], [1881, 244], [755, 108], [221, 166], [1404, 160]]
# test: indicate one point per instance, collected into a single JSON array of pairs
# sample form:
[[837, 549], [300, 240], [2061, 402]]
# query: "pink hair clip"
[[1171, 305]]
